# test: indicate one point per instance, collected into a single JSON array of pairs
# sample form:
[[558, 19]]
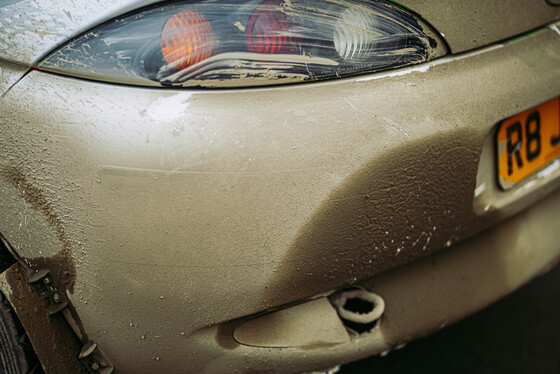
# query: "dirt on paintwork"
[[61, 269], [398, 208], [224, 335], [470, 24], [54, 342], [61, 265]]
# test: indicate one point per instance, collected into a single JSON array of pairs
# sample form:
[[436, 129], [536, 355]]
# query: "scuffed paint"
[[427, 66], [405, 71], [555, 28], [169, 108]]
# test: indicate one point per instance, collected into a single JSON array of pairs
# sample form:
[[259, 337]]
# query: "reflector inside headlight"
[[245, 43]]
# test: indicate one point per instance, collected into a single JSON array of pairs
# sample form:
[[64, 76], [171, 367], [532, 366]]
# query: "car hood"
[[469, 24], [30, 29]]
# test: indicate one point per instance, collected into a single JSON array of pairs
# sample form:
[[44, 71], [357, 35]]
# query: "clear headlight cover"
[[225, 43]]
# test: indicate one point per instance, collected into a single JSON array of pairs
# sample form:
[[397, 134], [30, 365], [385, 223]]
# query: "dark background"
[[518, 334]]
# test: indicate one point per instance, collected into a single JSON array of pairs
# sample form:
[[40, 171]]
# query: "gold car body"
[[171, 218]]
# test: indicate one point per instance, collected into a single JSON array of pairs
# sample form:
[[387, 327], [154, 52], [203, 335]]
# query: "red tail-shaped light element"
[[268, 30]]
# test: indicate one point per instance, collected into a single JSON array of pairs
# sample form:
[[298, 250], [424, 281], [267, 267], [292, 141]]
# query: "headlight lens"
[[208, 43]]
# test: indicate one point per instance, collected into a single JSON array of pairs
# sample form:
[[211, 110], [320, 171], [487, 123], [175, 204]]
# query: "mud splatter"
[[54, 342], [411, 200], [61, 269], [61, 265]]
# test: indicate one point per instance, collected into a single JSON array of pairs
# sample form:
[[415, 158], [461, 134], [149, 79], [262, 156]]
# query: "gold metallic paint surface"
[[471, 24], [185, 209], [10, 73]]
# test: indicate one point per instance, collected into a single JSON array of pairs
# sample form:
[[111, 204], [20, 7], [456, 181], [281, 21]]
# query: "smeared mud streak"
[[404, 205], [61, 265]]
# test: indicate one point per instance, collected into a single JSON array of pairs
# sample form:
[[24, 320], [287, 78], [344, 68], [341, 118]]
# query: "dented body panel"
[[155, 208]]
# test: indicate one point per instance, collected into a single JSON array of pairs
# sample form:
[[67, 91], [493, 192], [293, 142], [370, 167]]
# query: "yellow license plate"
[[527, 142]]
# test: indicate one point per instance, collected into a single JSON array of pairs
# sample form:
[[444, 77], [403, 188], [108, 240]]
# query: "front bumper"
[[172, 211]]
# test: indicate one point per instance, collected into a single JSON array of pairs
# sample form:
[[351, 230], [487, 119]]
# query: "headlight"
[[246, 43]]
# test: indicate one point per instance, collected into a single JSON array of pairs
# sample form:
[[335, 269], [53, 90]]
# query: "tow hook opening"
[[358, 306], [358, 309]]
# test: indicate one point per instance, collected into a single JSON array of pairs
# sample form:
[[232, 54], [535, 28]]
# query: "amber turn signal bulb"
[[186, 39]]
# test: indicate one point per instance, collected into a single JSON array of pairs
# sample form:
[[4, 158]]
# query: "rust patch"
[[61, 265]]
